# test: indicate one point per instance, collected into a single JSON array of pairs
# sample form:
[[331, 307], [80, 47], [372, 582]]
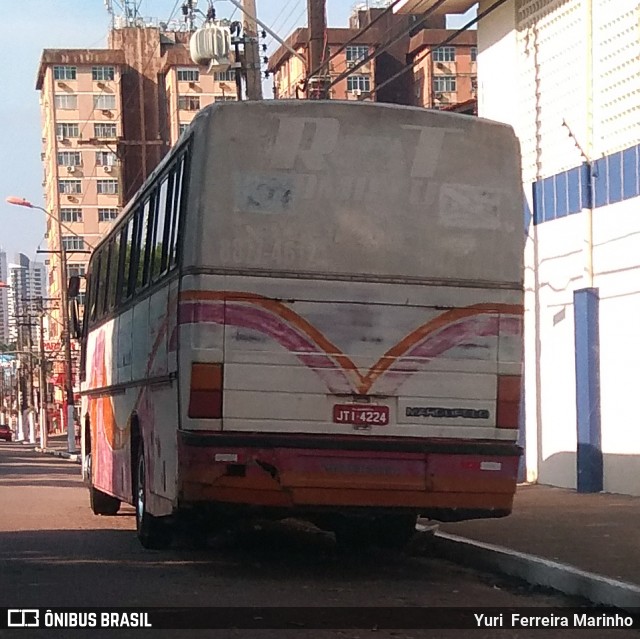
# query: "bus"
[[310, 309]]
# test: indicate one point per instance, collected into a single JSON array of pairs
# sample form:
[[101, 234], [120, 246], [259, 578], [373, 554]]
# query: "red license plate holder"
[[361, 414]]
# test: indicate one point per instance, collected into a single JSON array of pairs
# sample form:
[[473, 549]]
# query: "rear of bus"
[[350, 315]]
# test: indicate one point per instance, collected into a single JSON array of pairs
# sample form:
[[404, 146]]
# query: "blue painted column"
[[589, 465]]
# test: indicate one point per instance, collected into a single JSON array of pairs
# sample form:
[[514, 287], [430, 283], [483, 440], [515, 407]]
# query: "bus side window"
[[176, 211], [124, 264], [159, 250], [104, 280], [94, 287], [132, 277], [143, 246], [114, 263]]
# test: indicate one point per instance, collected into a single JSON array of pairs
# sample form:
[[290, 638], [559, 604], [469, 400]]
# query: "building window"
[[188, 75], [225, 98], [64, 73], [104, 101], [107, 187], [444, 83], [107, 215], [71, 215], [68, 130], [444, 54], [474, 54], [65, 101], [69, 187], [182, 128], [189, 102], [69, 158], [359, 83], [76, 270], [224, 76], [73, 243], [103, 73], [105, 158], [105, 130], [356, 53]]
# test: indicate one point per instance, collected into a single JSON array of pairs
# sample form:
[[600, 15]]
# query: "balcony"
[[419, 6]]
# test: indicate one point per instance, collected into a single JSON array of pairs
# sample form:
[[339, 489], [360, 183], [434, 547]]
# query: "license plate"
[[361, 415]]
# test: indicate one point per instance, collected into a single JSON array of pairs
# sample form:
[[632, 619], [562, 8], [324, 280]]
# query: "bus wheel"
[[153, 532]]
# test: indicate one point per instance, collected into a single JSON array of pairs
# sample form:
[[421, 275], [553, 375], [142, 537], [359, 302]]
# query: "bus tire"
[[154, 533], [101, 503]]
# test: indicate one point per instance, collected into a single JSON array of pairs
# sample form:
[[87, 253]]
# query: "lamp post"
[[66, 334]]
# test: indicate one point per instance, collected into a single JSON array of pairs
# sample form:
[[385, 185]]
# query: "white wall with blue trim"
[[566, 75]]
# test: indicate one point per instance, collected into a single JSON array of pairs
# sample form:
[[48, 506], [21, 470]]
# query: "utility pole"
[[317, 18], [30, 389], [252, 51], [43, 379]]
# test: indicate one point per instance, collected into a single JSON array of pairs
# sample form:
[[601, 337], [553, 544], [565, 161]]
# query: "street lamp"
[[66, 334]]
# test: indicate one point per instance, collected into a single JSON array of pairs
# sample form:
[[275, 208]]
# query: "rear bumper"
[[442, 479]]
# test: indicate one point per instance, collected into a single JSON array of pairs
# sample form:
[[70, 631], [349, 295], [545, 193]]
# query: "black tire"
[[154, 533], [101, 503]]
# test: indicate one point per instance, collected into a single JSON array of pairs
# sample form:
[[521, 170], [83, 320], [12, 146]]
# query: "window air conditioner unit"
[[71, 169], [60, 138], [107, 168], [357, 92], [351, 64]]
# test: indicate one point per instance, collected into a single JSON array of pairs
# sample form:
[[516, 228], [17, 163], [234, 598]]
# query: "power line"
[[446, 41], [359, 34], [385, 47]]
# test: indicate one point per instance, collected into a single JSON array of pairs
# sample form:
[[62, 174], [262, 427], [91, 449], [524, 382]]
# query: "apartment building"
[[448, 82], [444, 77], [28, 283], [289, 71]]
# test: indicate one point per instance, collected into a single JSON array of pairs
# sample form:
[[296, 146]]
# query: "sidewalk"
[[582, 544], [57, 445]]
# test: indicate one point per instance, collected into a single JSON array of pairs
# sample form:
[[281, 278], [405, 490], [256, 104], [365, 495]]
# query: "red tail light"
[[205, 398], [508, 414]]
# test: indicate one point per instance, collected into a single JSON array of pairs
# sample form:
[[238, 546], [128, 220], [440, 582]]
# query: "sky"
[[26, 29]]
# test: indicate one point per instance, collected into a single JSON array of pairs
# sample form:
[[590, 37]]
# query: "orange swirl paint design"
[[364, 381]]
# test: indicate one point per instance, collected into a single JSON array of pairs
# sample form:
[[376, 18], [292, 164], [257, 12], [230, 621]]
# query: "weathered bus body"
[[340, 336]]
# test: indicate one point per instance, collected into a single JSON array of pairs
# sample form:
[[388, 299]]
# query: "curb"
[[59, 453], [538, 571]]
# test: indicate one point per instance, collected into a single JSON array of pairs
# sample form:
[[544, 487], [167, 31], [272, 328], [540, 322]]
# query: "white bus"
[[310, 309]]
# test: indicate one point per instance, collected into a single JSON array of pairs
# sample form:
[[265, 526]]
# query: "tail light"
[[205, 397], [508, 413]]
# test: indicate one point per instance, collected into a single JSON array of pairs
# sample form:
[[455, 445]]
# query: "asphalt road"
[[55, 553]]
